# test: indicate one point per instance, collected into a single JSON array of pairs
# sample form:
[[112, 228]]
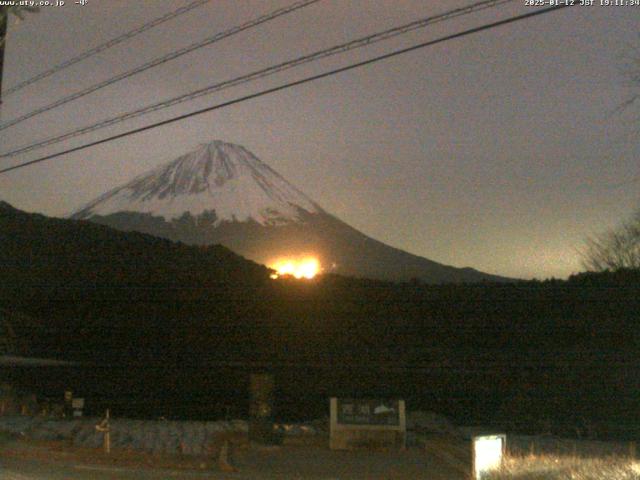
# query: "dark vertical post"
[[261, 394], [4, 22], [68, 405]]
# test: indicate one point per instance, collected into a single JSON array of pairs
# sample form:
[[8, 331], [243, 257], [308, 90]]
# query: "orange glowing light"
[[307, 267]]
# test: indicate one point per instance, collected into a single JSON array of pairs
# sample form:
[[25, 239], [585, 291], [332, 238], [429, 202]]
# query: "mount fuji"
[[221, 193]]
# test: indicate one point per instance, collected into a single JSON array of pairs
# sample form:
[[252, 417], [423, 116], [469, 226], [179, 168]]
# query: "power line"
[[293, 84], [111, 43], [161, 60], [256, 75]]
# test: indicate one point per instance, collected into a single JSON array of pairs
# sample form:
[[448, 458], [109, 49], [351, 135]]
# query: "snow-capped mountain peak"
[[217, 177]]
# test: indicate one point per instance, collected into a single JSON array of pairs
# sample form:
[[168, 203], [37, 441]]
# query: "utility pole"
[[4, 22]]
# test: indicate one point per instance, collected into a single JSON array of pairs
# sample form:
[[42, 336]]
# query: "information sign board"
[[374, 423], [368, 412]]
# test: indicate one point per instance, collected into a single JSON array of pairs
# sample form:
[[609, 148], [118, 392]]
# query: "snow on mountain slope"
[[222, 194], [220, 177]]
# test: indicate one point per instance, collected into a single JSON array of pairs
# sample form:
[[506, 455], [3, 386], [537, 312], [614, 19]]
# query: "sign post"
[[105, 428], [68, 399], [78, 405]]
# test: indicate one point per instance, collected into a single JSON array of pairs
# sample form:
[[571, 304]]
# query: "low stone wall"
[[158, 436]]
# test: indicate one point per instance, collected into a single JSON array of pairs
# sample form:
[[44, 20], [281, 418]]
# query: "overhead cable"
[[160, 60], [105, 46], [292, 84], [256, 75]]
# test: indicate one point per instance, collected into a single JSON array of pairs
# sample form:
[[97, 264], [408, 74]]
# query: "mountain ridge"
[[221, 193], [240, 185]]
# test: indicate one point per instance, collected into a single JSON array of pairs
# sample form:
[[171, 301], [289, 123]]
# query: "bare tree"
[[619, 247], [630, 71], [4, 17], [5, 11], [614, 249]]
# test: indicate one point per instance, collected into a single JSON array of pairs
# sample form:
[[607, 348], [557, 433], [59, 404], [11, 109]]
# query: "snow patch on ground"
[[158, 436]]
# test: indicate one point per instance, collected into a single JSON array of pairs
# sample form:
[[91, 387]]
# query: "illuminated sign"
[[487, 454]]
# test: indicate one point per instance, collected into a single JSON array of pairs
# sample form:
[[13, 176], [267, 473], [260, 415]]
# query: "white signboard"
[[487, 454], [367, 423]]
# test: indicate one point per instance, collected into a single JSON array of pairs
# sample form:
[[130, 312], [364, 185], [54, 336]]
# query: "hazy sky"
[[499, 151]]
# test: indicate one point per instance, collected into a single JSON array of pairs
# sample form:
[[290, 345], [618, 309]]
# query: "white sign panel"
[[371, 423], [487, 454]]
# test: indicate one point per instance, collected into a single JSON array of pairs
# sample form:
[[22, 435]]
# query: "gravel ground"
[[25, 460], [41, 448]]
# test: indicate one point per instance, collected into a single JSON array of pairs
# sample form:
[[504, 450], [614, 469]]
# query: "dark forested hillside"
[[37, 250], [99, 290], [564, 352]]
